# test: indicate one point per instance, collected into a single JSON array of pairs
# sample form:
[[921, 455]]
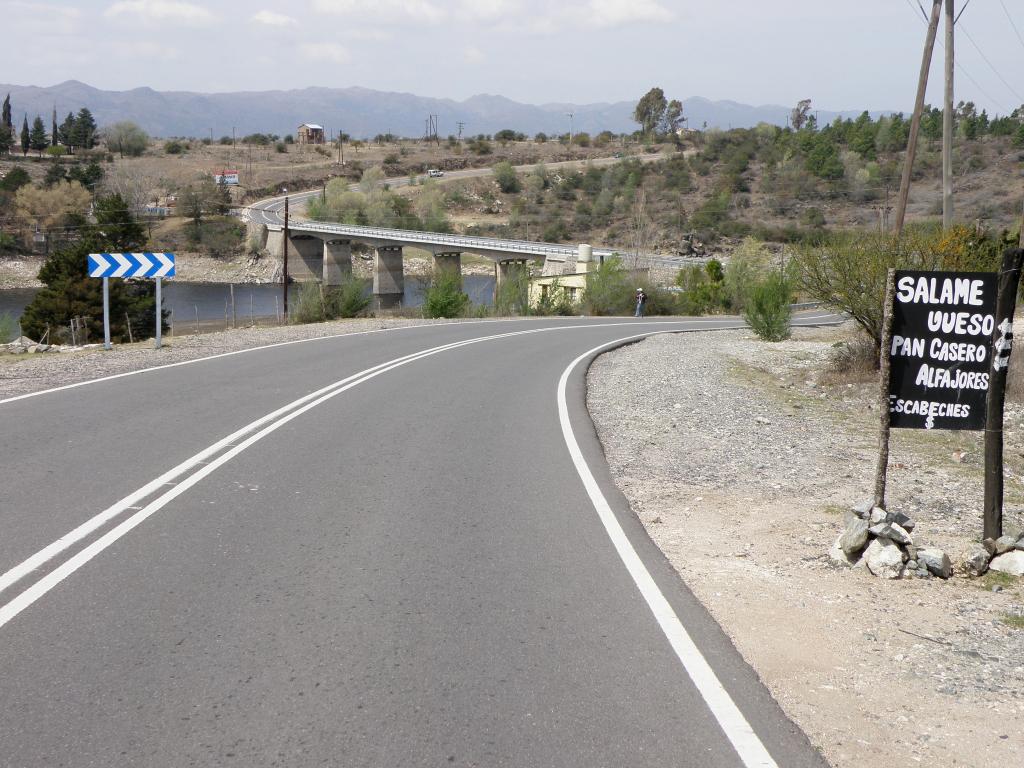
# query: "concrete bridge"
[[323, 251]]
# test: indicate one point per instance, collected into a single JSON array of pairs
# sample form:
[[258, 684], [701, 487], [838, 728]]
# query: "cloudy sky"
[[841, 54]]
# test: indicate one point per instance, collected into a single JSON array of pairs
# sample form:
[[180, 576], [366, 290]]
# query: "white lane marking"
[[208, 464], [288, 343], [205, 457], [735, 726]]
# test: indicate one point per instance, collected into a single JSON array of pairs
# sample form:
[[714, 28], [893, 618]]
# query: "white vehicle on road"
[[435, 172]]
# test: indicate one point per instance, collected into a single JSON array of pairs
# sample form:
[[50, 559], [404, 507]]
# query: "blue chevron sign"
[[131, 265]]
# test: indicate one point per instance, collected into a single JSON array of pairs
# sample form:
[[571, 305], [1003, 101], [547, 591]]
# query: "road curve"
[[399, 548]]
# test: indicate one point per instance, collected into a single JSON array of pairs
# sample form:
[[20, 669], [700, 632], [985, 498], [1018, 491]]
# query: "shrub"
[[309, 306], [174, 148], [348, 299], [506, 176], [444, 296], [768, 311], [856, 360], [610, 290], [280, 147], [9, 328]]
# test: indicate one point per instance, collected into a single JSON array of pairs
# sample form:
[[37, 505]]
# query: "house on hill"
[[310, 133]]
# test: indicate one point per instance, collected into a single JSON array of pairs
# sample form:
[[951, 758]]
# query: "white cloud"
[[41, 19], [473, 55], [609, 13], [161, 11], [272, 19], [330, 52], [488, 10], [384, 11]]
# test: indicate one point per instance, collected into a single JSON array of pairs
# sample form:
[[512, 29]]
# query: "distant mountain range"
[[360, 112]]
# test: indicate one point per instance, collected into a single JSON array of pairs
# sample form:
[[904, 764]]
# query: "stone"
[[935, 561], [1011, 563], [975, 561], [989, 545], [839, 557], [911, 565], [855, 537], [1012, 529], [884, 559], [863, 508], [911, 550], [902, 520], [1004, 544], [891, 531], [878, 515]]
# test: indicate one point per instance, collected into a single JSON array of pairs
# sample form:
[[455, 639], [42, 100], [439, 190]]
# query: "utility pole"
[[284, 280], [461, 126], [570, 128], [947, 125], [915, 123]]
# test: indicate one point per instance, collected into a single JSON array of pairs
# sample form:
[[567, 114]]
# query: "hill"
[[360, 112]]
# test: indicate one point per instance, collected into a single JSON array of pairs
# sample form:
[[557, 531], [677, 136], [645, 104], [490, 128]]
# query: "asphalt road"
[[424, 565]]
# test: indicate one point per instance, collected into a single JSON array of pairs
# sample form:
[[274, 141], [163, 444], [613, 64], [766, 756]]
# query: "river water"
[[210, 301]]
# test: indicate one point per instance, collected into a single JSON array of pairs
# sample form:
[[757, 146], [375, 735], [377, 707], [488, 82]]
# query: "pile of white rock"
[[1005, 554], [24, 344], [880, 542]]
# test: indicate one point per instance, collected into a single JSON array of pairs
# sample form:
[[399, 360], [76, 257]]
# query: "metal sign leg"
[[106, 313], [159, 313]]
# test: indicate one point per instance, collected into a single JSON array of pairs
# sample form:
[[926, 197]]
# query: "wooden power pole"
[[915, 123], [947, 125]]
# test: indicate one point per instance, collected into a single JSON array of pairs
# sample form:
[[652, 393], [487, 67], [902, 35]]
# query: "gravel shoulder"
[[740, 460]]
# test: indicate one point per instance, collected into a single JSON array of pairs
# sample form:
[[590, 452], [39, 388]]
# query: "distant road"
[[270, 213]]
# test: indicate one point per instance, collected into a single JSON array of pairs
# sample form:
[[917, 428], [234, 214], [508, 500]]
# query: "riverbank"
[[740, 457]]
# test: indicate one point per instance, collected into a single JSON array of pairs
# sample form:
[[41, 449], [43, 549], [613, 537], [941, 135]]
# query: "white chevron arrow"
[[166, 261], [124, 262], [102, 265], [145, 264]]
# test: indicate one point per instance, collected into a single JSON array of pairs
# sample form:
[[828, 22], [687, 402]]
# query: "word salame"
[[951, 290]]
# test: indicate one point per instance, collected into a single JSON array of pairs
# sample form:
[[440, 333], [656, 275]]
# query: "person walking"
[[641, 302]]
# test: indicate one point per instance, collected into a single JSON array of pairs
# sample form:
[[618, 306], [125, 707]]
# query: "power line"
[[1009, 18], [991, 66], [964, 72]]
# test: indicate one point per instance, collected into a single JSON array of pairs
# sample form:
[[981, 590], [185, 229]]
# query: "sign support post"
[[1006, 303], [159, 314], [882, 470], [106, 313]]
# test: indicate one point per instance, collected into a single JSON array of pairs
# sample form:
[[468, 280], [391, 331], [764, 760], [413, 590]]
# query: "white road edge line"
[[735, 726], [204, 460], [283, 415]]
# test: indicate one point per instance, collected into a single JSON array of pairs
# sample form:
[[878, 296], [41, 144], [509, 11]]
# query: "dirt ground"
[[740, 457]]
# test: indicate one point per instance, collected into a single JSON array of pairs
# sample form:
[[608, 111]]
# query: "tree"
[[37, 138], [673, 119], [650, 110], [53, 128], [70, 292], [24, 136], [799, 116], [66, 132], [84, 133], [6, 140], [6, 126], [46, 208], [127, 138]]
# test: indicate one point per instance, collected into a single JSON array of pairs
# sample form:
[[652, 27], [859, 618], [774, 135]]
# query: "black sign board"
[[941, 353]]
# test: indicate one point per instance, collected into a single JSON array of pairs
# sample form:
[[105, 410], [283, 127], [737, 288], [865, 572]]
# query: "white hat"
[[639, 290]]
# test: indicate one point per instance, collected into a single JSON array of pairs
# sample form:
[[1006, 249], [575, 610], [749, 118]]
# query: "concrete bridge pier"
[[516, 270], [388, 276], [337, 261], [449, 262], [305, 258]]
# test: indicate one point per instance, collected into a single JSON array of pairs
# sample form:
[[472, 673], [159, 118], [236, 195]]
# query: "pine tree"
[[6, 126], [53, 131], [84, 134], [5, 139], [37, 138], [24, 136], [70, 292], [67, 132]]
